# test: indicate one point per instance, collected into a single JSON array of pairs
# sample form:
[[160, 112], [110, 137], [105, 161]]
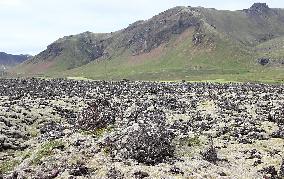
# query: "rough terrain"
[[97, 129]]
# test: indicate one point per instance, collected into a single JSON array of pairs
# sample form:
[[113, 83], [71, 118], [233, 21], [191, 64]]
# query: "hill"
[[8, 60], [191, 43]]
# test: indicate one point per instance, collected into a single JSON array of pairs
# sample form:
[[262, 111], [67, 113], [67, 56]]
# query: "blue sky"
[[28, 26]]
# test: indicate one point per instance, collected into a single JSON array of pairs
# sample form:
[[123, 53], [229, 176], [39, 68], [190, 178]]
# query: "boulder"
[[263, 61]]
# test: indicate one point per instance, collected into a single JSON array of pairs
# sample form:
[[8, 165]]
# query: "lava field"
[[132, 129]]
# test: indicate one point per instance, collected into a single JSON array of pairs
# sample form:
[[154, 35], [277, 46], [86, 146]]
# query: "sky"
[[28, 26]]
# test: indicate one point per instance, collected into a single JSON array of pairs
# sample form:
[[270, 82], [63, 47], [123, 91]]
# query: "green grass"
[[272, 48], [227, 62], [207, 66]]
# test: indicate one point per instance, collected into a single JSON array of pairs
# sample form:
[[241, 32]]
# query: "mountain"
[[8, 60], [191, 43]]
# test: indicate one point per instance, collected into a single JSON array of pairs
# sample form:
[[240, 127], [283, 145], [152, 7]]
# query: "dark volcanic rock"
[[113, 173], [98, 115], [140, 175], [281, 171], [175, 170], [263, 61], [51, 130], [79, 170], [146, 140], [279, 133], [210, 154], [270, 61], [269, 170]]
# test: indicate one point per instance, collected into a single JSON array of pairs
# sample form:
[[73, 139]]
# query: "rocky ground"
[[96, 129]]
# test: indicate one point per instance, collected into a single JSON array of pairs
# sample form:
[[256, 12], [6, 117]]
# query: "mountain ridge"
[[242, 30]]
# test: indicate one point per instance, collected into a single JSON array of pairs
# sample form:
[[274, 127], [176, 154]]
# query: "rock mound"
[[146, 139], [98, 115]]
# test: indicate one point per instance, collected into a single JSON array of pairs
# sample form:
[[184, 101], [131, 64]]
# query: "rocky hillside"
[[7, 60], [178, 41]]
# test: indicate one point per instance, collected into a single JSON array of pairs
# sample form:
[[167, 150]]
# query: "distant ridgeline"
[[8, 60]]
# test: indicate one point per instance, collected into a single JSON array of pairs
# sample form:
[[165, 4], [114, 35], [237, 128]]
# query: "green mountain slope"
[[180, 43]]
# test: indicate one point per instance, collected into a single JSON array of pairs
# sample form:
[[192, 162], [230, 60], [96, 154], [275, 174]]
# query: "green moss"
[[102, 131], [26, 155], [191, 141], [46, 150], [23, 154], [34, 132], [98, 132], [86, 133], [106, 150], [8, 165]]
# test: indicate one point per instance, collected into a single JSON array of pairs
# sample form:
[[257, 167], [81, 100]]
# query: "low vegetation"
[[46, 150]]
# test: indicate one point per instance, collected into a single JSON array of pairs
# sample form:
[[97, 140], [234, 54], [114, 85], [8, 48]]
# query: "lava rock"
[[79, 170], [51, 130], [278, 134], [263, 61], [270, 170], [175, 170], [99, 114], [281, 171], [210, 154], [140, 175], [147, 140], [113, 173]]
